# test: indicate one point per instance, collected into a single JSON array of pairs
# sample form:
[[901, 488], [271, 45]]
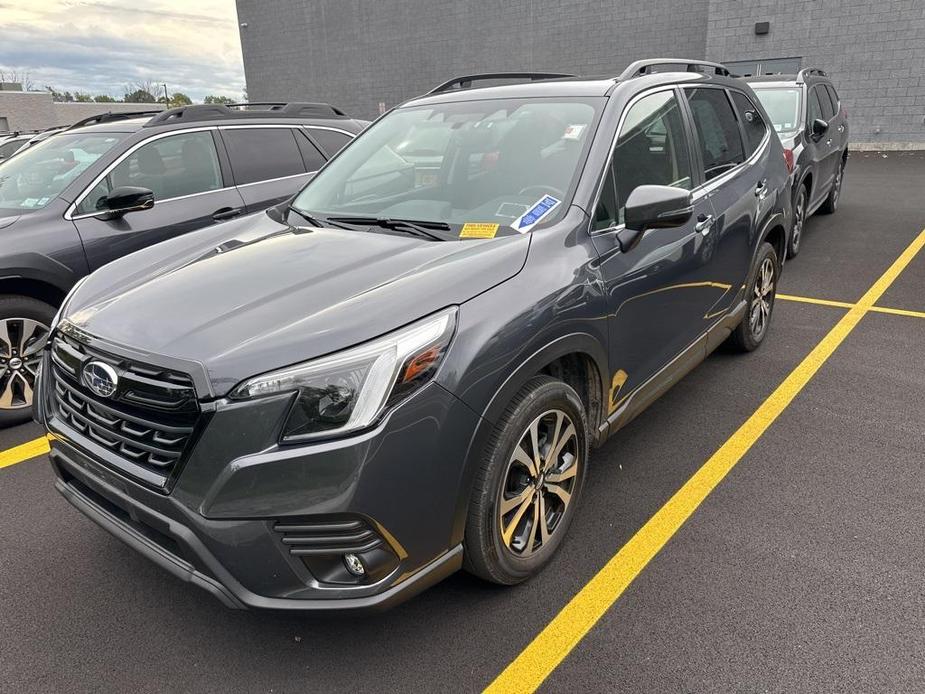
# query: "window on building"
[[717, 131], [260, 154]]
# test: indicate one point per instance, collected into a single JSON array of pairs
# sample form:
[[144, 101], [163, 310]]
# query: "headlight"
[[67, 299], [349, 390]]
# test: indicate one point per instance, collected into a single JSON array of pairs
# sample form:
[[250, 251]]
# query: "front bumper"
[[219, 525]]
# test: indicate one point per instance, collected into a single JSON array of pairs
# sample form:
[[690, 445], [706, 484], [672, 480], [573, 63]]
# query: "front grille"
[[147, 421], [351, 536]]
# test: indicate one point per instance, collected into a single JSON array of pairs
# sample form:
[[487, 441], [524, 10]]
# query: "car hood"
[[252, 295]]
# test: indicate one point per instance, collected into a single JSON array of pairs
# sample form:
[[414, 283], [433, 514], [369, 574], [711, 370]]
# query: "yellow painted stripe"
[[811, 300], [534, 664], [898, 311], [23, 452]]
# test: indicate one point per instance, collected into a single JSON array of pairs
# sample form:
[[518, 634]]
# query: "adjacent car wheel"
[[762, 288], [799, 219], [831, 202], [529, 483], [23, 332]]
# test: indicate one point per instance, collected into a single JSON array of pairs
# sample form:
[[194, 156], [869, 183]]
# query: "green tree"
[[104, 99], [83, 97], [179, 99], [218, 100], [140, 96]]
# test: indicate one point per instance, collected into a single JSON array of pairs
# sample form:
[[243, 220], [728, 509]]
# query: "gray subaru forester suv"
[[403, 371]]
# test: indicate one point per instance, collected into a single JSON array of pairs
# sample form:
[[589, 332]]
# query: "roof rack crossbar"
[[810, 71], [642, 67], [200, 112], [465, 81], [110, 116]]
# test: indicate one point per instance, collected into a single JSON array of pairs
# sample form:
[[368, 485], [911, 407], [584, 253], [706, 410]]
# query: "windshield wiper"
[[408, 226], [315, 221]]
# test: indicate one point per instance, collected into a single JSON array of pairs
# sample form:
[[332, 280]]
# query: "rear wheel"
[[799, 220], [831, 202], [529, 483], [762, 289], [23, 332]]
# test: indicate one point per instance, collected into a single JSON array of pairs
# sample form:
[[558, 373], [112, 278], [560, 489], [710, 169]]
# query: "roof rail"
[[642, 67], [201, 112], [810, 71], [465, 82], [109, 116]]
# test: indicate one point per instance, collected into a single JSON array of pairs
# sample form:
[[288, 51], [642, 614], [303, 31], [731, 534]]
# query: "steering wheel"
[[543, 190]]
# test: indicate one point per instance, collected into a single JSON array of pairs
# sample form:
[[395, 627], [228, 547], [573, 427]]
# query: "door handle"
[[704, 224], [841, 128], [226, 213], [761, 190]]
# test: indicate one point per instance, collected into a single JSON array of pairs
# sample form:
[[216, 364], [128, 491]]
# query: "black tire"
[[500, 475], [831, 202], [749, 334], [15, 313], [799, 221]]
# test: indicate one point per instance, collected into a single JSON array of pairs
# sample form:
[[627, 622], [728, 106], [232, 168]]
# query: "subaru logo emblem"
[[101, 378]]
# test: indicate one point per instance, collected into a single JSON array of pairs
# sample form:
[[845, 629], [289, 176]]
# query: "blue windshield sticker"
[[537, 211]]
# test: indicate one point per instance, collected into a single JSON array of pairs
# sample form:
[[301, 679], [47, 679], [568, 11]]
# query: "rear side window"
[[259, 154], [330, 141], [170, 167], [752, 122], [814, 110], [717, 129]]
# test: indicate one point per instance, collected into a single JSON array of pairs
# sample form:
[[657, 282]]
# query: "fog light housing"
[[354, 565]]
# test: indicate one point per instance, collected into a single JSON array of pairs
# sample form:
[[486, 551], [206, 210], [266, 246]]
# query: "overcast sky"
[[99, 46]]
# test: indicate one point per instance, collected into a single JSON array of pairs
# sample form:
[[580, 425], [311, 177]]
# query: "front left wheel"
[[24, 325], [529, 483]]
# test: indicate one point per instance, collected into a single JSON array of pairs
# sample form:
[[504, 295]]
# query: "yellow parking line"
[[898, 312], [28, 450], [811, 300], [534, 664]]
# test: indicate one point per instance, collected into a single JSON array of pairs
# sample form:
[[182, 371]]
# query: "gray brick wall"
[[357, 53], [874, 51]]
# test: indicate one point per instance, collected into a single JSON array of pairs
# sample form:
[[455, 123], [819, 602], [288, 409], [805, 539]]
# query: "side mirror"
[[819, 128], [124, 199], [654, 207]]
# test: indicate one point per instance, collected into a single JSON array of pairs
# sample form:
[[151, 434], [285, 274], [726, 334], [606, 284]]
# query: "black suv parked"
[[337, 403], [813, 127], [115, 183]]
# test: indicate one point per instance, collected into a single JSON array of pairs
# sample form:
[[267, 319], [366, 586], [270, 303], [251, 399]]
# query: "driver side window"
[[651, 149], [169, 166]]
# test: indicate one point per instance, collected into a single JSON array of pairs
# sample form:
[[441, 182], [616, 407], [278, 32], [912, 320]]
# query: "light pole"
[[166, 96]]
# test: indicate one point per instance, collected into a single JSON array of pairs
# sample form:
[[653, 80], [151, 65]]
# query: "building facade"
[[26, 111], [366, 55]]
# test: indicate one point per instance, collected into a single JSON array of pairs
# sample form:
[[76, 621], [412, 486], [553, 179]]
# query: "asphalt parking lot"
[[782, 555]]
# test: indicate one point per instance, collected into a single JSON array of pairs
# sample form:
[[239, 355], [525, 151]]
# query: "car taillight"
[[788, 158]]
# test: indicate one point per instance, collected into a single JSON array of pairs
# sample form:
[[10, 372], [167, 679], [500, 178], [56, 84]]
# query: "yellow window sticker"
[[478, 230]]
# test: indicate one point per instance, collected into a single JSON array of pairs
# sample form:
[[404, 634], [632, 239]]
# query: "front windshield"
[[783, 107], [36, 176], [492, 164]]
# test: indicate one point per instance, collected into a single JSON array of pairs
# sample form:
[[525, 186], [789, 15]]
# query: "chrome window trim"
[[281, 178], [69, 213], [333, 130]]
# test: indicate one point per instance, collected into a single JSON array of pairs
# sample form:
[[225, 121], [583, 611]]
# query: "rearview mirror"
[[654, 207], [125, 199], [819, 128]]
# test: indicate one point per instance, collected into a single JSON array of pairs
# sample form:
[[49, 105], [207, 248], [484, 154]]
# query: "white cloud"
[[99, 46]]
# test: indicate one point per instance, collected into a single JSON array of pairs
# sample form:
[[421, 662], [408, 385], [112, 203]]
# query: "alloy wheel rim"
[[799, 214], [21, 343], [762, 299], [539, 483]]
